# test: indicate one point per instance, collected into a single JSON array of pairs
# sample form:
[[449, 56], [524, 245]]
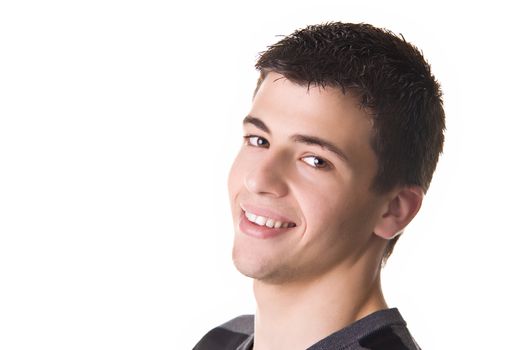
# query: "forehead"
[[323, 112], [276, 92]]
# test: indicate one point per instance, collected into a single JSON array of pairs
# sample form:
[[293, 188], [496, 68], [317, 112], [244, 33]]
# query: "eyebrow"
[[257, 123], [306, 139]]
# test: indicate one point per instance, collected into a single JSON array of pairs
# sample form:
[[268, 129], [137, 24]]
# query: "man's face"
[[300, 185]]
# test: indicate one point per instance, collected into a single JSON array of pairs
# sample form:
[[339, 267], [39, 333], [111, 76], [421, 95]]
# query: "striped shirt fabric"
[[381, 330]]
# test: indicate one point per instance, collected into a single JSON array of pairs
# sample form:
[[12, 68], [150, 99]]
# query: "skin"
[[324, 273]]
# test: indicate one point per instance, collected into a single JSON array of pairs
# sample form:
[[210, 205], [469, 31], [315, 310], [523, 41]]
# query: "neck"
[[298, 314]]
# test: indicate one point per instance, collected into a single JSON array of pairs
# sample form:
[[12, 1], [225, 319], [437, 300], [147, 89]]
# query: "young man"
[[339, 148]]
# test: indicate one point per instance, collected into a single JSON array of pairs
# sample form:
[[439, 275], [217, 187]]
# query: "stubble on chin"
[[263, 270]]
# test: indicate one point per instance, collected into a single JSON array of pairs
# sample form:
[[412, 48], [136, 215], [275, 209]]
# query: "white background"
[[119, 121]]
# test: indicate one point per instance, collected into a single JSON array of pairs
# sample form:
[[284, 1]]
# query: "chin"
[[263, 271], [251, 266], [246, 265]]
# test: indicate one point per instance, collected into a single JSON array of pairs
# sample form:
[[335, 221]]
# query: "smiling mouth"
[[267, 222]]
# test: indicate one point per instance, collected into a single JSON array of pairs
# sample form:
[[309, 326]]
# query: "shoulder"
[[395, 337], [228, 335], [381, 330], [390, 333]]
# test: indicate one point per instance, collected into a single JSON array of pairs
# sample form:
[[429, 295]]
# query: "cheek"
[[321, 204], [331, 209]]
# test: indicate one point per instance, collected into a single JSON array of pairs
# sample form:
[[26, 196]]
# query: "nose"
[[268, 176]]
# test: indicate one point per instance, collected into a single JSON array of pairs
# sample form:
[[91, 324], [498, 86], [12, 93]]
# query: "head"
[[393, 131]]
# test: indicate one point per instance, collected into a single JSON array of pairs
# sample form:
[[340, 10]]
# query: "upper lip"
[[268, 213]]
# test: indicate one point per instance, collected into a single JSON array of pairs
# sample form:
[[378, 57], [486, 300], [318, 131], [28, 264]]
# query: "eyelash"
[[247, 141]]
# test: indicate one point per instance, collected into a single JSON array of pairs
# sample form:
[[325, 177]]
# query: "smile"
[[268, 222]]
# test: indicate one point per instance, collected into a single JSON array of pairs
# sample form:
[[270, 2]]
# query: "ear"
[[399, 211]]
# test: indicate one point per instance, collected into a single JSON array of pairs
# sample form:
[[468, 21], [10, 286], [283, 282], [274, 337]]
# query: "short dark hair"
[[393, 82]]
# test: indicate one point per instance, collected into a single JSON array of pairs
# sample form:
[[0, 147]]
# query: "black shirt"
[[381, 330]]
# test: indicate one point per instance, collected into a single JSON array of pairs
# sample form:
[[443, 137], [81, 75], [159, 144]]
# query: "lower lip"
[[254, 230]]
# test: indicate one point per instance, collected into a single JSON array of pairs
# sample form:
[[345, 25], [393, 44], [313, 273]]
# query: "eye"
[[316, 162], [256, 141]]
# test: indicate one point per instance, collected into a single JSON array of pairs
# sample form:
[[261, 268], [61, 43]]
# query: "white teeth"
[[251, 216], [263, 221]]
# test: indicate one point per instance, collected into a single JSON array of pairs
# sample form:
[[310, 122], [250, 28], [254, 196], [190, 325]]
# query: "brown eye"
[[315, 162], [256, 141]]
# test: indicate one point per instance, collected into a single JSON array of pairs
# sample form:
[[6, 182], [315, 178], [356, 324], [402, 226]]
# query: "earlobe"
[[399, 211]]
